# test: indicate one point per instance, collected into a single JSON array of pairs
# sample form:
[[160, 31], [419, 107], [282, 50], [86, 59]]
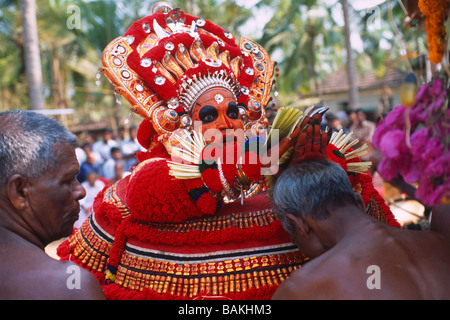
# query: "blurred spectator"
[[81, 154], [93, 186], [87, 148], [270, 114], [119, 171], [334, 123], [363, 130], [90, 165], [129, 146], [352, 118], [103, 146], [81, 151], [121, 135], [108, 168]]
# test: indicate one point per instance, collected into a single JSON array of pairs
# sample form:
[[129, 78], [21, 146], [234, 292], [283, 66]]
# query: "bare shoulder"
[[35, 276], [294, 287], [72, 282], [59, 280], [335, 275], [311, 282]]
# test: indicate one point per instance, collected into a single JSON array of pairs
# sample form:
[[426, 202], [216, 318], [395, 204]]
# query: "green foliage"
[[301, 34]]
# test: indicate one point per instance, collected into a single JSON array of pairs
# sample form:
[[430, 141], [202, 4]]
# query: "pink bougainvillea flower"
[[433, 149], [427, 159], [432, 196], [411, 170], [422, 93], [436, 196], [419, 141], [438, 167], [438, 101], [380, 131], [419, 114], [393, 143], [434, 184], [388, 168], [425, 189], [396, 118], [437, 87]]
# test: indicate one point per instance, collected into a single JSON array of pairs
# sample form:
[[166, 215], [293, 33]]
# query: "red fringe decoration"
[[64, 251], [107, 210], [331, 153], [210, 175], [365, 180], [156, 151], [207, 204], [120, 240], [153, 195], [147, 233], [368, 191], [252, 169], [145, 133], [116, 292], [211, 179], [229, 172]]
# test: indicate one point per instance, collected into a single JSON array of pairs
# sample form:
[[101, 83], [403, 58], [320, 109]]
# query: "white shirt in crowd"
[[86, 202]]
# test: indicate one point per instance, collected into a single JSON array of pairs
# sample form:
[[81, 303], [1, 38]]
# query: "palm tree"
[[351, 69], [70, 57], [402, 45], [228, 14], [32, 55], [11, 58], [310, 43]]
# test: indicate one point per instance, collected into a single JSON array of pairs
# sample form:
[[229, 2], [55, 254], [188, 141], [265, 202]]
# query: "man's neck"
[[343, 222], [17, 230]]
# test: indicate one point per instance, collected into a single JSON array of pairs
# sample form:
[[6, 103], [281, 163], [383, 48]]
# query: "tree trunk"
[[32, 56], [351, 69]]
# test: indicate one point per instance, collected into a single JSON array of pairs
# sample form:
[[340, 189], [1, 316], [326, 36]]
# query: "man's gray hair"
[[311, 189], [27, 141]]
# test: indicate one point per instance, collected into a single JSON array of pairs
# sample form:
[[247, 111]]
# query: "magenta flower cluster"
[[418, 149]]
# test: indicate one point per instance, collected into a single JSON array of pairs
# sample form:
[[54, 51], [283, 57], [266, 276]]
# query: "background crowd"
[[104, 162]]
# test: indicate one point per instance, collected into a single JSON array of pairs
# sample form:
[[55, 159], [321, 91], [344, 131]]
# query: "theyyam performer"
[[193, 220]]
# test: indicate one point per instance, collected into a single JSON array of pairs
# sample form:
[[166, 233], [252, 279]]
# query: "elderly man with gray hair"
[[353, 256], [39, 196]]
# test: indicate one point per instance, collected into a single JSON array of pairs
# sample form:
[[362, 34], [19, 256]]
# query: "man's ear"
[[360, 201], [299, 224], [16, 188]]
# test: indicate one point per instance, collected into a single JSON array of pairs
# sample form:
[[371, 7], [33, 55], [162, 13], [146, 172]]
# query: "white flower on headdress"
[[218, 98]]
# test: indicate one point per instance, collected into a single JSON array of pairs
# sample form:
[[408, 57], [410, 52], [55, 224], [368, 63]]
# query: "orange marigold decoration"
[[435, 12]]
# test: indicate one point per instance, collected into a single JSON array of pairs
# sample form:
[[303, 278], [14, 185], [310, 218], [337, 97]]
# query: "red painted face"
[[216, 109]]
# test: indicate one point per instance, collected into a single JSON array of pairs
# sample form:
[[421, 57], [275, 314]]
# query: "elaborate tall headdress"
[[167, 60]]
